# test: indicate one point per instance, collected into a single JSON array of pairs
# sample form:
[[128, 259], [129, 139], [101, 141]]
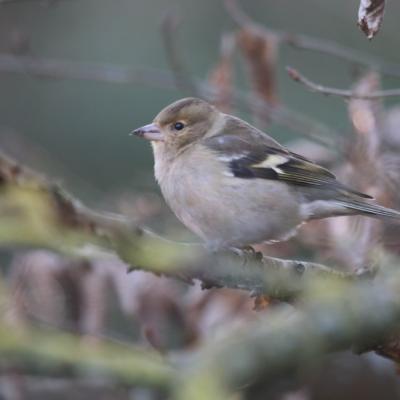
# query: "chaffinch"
[[234, 186]]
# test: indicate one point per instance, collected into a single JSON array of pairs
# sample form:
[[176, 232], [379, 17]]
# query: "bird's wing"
[[251, 154]]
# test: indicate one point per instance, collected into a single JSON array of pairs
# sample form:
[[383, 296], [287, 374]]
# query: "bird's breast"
[[190, 184], [220, 208]]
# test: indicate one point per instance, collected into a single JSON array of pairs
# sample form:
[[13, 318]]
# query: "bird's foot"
[[248, 254]]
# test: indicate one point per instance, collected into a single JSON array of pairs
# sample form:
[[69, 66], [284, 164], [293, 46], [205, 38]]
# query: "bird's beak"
[[149, 132]]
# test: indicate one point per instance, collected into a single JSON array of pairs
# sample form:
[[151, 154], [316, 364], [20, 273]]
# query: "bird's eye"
[[178, 126]]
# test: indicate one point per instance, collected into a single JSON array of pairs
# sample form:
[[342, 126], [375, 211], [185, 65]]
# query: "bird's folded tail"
[[372, 210]]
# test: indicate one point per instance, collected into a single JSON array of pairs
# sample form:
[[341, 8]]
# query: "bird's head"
[[180, 124]]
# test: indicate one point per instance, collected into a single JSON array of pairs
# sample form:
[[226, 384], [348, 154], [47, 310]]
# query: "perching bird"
[[234, 186]]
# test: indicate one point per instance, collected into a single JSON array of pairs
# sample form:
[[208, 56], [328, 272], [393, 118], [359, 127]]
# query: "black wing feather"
[[250, 159]]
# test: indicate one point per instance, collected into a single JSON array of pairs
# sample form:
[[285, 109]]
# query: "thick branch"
[[347, 94], [334, 317], [62, 351], [334, 313], [37, 213]]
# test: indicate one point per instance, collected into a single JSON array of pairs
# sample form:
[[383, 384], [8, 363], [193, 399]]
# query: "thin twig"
[[347, 94], [281, 115], [182, 77], [309, 43], [276, 113], [65, 69], [109, 73]]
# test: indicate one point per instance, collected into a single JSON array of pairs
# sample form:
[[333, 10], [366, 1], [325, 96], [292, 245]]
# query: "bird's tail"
[[372, 210]]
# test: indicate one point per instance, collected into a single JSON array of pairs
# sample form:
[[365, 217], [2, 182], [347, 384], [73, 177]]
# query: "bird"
[[235, 186]]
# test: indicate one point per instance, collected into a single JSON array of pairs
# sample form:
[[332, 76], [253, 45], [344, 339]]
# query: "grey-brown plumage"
[[233, 185]]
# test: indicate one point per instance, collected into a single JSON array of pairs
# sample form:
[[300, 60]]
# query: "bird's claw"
[[248, 254]]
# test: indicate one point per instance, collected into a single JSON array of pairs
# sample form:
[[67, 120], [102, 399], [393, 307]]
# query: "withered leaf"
[[260, 52], [221, 76], [365, 116], [370, 15]]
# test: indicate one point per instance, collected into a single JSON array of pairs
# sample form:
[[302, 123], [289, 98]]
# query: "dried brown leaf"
[[221, 77], [260, 52], [365, 116], [370, 15]]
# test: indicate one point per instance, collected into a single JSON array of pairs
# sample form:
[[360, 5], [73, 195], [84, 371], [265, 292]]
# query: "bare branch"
[[64, 69], [347, 94], [109, 73], [332, 318], [284, 116], [309, 43], [278, 114], [370, 15], [182, 77]]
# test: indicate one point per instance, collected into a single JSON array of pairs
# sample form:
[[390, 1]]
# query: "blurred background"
[[76, 132], [80, 127]]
